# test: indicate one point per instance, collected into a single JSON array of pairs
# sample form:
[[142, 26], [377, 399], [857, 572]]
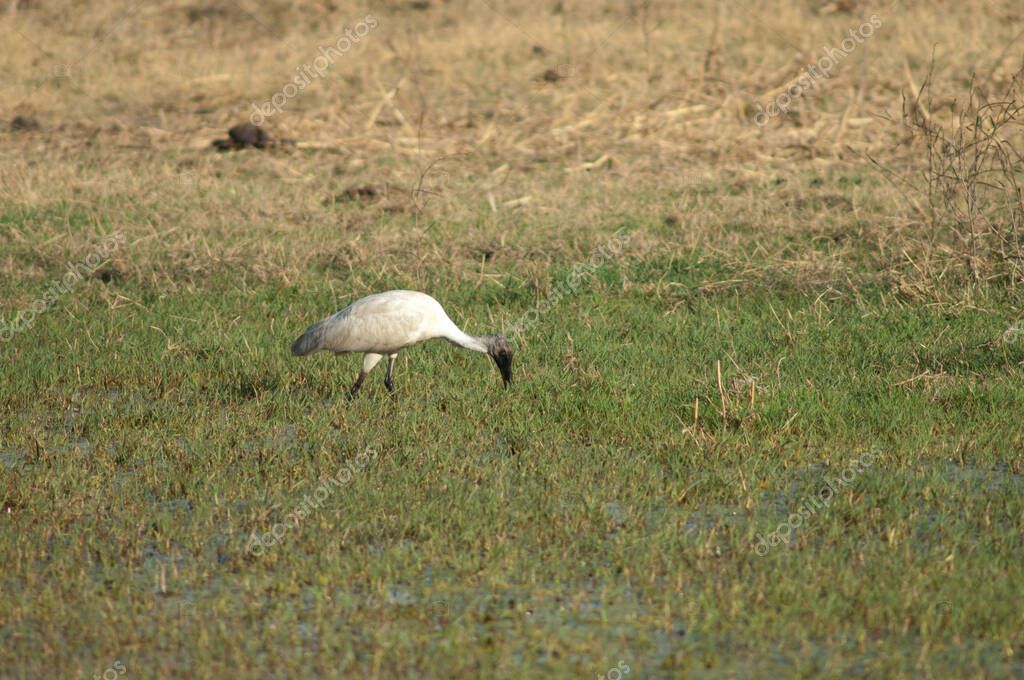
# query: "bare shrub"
[[967, 184]]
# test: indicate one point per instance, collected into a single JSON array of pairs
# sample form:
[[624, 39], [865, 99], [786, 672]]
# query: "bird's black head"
[[501, 351]]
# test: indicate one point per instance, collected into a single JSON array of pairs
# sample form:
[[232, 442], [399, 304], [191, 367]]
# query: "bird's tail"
[[309, 341]]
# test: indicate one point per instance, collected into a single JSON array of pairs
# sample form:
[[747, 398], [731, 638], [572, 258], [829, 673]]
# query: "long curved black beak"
[[504, 361]]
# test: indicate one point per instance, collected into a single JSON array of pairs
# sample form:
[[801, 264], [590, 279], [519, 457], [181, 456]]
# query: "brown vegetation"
[[569, 117]]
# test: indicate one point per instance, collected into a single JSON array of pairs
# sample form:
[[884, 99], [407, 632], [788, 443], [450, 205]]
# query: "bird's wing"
[[383, 323]]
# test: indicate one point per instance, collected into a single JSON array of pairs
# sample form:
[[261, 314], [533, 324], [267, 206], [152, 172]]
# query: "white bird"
[[384, 323]]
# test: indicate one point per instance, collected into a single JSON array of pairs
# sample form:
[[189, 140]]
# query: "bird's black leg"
[[388, 382], [369, 361], [356, 385]]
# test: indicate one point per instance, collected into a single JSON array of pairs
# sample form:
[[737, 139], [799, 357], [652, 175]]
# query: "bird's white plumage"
[[382, 324], [385, 323]]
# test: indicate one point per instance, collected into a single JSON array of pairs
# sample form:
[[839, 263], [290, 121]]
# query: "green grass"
[[792, 297], [554, 528]]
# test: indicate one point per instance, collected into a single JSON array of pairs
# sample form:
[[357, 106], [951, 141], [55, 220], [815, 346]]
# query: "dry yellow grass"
[[564, 116]]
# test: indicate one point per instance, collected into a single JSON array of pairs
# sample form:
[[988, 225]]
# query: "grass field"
[[766, 412]]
